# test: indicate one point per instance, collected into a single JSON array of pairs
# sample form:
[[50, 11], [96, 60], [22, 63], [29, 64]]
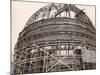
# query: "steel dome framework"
[[58, 37]]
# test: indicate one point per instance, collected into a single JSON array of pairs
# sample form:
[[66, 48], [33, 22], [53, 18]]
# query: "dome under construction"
[[57, 37]]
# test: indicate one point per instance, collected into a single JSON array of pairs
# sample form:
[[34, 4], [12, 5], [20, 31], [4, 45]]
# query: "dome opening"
[[59, 10]]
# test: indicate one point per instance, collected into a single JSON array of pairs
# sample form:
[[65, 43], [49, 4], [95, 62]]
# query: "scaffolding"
[[55, 43]]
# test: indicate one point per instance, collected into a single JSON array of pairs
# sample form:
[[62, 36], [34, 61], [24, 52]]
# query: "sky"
[[22, 11]]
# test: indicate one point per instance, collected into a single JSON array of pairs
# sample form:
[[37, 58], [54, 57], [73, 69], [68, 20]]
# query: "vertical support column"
[[44, 70], [59, 56], [46, 56]]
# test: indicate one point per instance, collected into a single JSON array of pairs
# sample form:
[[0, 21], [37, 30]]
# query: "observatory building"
[[57, 37]]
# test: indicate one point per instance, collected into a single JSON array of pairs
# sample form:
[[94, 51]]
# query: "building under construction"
[[57, 37]]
